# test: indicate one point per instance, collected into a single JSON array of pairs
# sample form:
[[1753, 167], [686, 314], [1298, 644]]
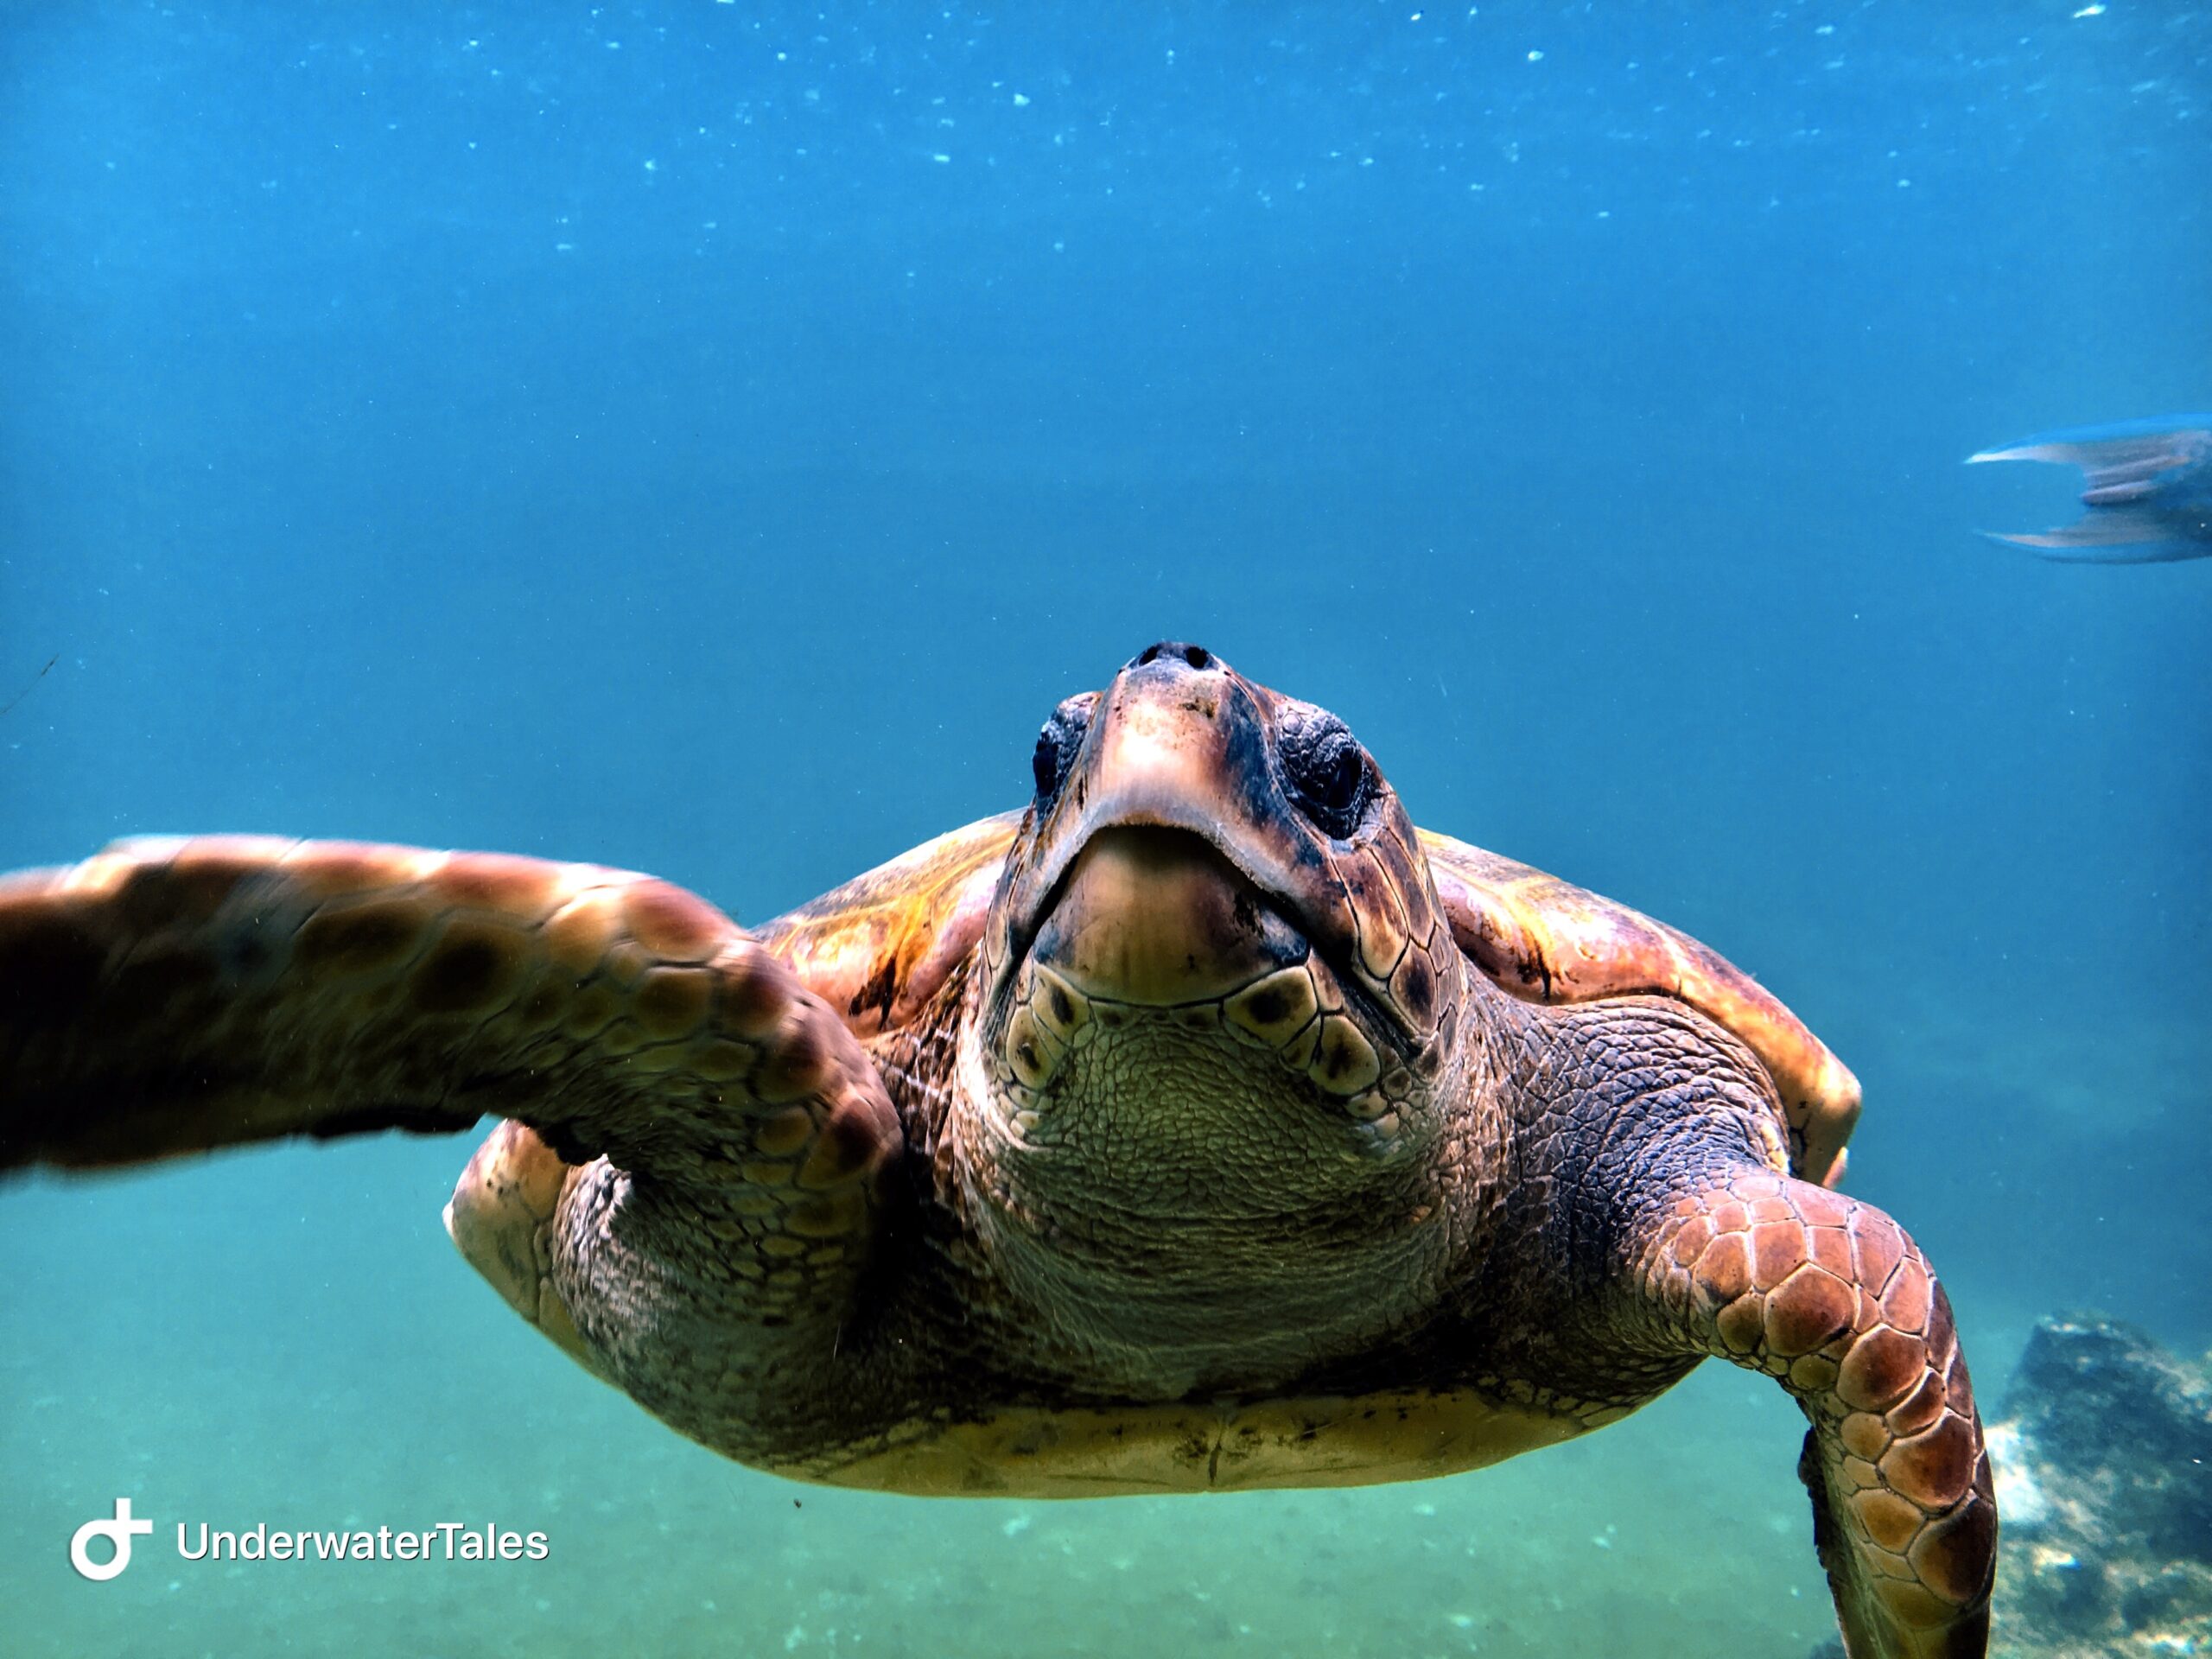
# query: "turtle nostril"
[[1197, 656]]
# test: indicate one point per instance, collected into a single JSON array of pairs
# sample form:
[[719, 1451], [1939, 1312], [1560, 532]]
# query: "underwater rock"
[[2104, 1487], [2104, 1482]]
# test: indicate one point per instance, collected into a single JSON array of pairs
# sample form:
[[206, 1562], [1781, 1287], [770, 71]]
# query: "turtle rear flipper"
[[172, 997]]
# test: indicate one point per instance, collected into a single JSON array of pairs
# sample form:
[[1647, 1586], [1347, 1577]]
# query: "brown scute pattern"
[[1831, 1297], [1406, 955], [879, 948], [168, 997], [1548, 941]]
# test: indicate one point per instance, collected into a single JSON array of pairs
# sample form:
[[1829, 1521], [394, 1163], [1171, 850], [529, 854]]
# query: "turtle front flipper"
[[174, 996], [171, 997], [1831, 1298]]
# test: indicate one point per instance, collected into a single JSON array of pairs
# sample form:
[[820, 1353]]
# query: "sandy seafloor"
[[710, 439]]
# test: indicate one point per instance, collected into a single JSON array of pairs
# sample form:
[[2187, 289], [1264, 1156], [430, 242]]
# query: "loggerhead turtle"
[[1203, 1125]]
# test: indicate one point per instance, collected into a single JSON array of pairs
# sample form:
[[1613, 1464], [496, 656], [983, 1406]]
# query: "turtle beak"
[[1168, 822], [1155, 917]]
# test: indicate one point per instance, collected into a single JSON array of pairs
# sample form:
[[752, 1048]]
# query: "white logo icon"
[[117, 1532]]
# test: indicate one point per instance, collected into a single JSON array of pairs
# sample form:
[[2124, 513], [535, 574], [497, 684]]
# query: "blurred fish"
[[2149, 490]]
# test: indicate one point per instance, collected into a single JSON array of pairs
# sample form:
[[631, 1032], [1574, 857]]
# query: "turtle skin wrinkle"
[[1203, 1125]]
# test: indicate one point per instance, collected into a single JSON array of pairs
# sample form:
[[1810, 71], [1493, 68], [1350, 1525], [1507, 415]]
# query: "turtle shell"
[[879, 947], [1545, 940]]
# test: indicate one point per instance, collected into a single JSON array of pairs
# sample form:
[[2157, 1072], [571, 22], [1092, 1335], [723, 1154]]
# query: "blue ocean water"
[[707, 439]]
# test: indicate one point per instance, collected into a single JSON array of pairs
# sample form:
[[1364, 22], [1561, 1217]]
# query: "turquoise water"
[[709, 439]]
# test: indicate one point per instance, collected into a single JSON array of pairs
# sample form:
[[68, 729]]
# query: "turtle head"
[[1221, 1006]]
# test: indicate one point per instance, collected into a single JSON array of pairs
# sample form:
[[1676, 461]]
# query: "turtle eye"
[[1329, 775], [1057, 744]]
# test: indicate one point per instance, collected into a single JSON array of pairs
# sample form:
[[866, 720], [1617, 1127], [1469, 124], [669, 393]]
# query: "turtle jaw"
[[1155, 918], [1152, 928]]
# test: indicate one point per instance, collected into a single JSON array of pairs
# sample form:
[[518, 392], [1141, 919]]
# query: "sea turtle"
[[1202, 1125]]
